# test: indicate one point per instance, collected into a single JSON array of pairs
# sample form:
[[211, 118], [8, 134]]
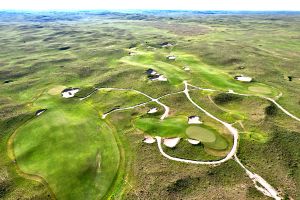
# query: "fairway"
[[170, 127], [72, 149]]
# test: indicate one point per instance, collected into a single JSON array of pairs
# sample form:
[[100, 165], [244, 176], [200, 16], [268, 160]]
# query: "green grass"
[[178, 127], [201, 134], [260, 89], [98, 56], [72, 149], [254, 136], [201, 73], [170, 127]]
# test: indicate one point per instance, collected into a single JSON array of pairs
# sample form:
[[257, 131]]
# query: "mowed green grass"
[[201, 74], [201, 134], [178, 127], [72, 149], [169, 127]]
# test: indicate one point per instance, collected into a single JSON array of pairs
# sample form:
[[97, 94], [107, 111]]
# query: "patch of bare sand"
[[56, 90]]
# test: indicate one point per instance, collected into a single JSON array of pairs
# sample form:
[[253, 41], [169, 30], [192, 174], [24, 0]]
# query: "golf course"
[[149, 105]]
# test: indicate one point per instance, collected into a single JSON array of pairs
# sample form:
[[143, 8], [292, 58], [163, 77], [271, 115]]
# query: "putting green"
[[201, 134], [260, 89], [178, 127], [219, 144], [72, 149]]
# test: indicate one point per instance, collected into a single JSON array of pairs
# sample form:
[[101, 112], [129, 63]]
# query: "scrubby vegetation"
[[271, 110], [224, 98]]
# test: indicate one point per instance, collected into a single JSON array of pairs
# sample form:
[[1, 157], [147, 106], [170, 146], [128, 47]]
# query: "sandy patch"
[[152, 110], [194, 120], [149, 140], [56, 90], [193, 142], [171, 142]]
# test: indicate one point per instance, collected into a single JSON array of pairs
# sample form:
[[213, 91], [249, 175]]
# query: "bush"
[[180, 185], [5, 187], [271, 110], [224, 98]]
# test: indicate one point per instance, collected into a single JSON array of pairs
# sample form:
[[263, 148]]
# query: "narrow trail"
[[126, 108], [267, 189], [281, 108], [167, 109], [263, 186], [219, 107], [271, 100], [232, 130]]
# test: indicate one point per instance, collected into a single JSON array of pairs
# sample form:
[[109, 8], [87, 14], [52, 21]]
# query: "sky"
[[257, 5]]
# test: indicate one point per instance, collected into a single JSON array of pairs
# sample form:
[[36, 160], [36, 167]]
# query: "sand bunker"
[[171, 142], [69, 92], [152, 110], [193, 142], [149, 140], [186, 68], [194, 120]]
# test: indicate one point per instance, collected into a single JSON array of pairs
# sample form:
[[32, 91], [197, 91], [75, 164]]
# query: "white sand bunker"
[[171, 57], [151, 72], [149, 140], [69, 92], [171, 142], [194, 120], [243, 78], [186, 68], [162, 78], [154, 76], [193, 142], [152, 110], [39, 112]]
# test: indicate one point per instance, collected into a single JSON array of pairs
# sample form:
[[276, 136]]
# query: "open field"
[[74, 151]]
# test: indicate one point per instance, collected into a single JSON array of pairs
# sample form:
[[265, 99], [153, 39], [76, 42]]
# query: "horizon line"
[[177, 10]]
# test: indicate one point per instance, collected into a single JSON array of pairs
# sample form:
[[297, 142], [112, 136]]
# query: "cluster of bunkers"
[[172, 142]]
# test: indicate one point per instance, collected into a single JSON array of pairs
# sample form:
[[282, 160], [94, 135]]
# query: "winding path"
[[166, 108], [267, 189], [263, 186]]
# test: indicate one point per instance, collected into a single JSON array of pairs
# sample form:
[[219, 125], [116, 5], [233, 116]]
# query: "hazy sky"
[[151, 4]]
